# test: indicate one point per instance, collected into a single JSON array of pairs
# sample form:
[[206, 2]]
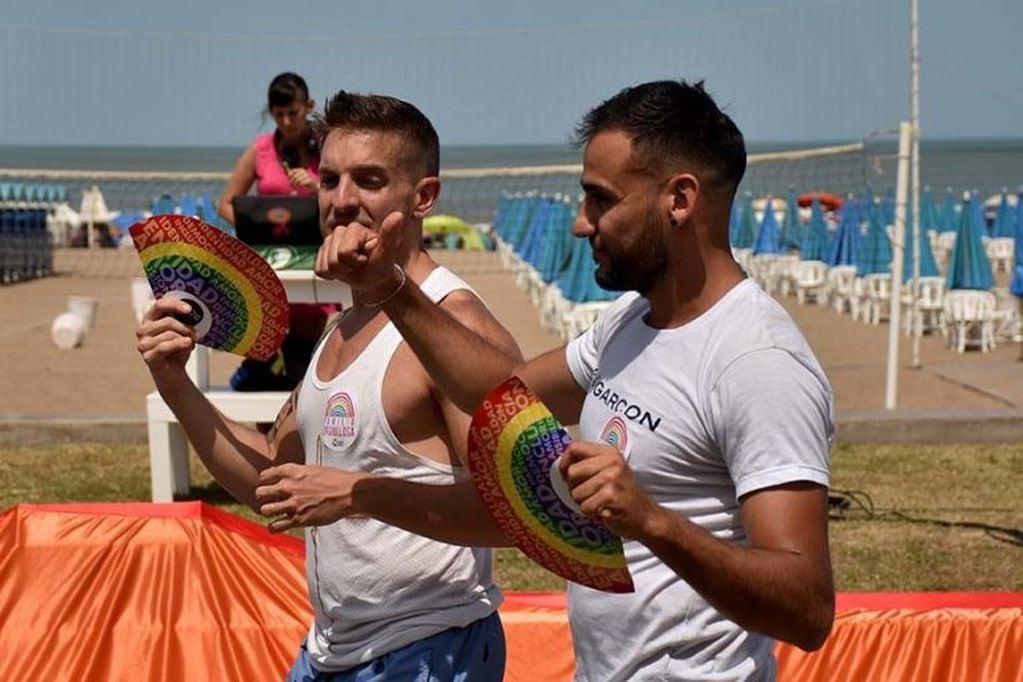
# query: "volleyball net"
[[74, 221]]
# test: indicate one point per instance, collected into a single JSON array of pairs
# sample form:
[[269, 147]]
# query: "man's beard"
[[640, 266]]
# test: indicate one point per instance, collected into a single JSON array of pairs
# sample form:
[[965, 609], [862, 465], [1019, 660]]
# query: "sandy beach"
[[104, 378]]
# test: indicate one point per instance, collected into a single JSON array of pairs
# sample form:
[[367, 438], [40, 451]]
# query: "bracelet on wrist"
[[402, 279]]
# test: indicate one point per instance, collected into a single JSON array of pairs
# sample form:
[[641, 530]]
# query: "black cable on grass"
[[844, 504]]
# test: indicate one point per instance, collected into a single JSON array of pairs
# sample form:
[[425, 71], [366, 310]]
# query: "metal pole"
[[898, 246], [914, 120]]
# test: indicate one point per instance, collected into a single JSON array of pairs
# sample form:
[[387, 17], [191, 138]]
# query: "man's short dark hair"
[[353, 111], [676, 122]]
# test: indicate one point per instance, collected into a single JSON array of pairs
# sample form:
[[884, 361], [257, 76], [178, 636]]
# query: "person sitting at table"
[[284, 162]]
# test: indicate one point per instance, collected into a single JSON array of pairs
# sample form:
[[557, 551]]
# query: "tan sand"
[[104, 378]]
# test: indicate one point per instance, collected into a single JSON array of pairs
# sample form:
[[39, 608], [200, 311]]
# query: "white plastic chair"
[[811, 281], [928, 313], [840, 282], [969, 319], [1001, 252], [877, 297]]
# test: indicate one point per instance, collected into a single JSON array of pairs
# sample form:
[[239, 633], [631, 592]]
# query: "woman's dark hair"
[[286, 88], [675, 122]]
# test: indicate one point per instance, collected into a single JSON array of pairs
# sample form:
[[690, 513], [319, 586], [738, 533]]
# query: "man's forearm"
[[447, 513], [785, 594], [233, 453]]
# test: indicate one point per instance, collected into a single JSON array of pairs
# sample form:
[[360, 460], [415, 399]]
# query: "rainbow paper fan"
[[238, 303], [514, 441]]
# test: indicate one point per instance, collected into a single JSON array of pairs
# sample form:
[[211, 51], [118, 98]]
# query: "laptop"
[[270, 220]]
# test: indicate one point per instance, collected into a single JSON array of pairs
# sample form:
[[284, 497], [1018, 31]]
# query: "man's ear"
[[682, 190], [427, 193]]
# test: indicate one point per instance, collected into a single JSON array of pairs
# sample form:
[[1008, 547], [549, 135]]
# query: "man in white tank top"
[[388, 604], [706, 421]]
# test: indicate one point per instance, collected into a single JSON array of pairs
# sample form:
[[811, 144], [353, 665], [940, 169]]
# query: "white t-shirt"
[[729, 403]]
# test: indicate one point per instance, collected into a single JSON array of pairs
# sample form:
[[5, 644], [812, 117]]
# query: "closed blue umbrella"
[[875, 253], [969, 267], [977, 213], [747, 225], [1016, 285], [928, 267], [576, 281], [557, 244], [769, 235], [791, 227], [1005, 217], [844, 248], [816, 240], [888, 208]]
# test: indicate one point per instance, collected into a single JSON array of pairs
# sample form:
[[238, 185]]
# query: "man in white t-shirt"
[[705, 418]]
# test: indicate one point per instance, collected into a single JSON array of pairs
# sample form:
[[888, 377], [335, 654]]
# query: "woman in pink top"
[[284, 162]]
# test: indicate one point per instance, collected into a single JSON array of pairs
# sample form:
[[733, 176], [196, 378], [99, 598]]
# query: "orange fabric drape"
[[146, 592], [185, 591]]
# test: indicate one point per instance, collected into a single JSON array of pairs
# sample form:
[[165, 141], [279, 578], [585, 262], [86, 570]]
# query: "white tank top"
[[375, 587]]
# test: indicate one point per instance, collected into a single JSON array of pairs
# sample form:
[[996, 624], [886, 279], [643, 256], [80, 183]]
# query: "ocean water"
[[985, 166]]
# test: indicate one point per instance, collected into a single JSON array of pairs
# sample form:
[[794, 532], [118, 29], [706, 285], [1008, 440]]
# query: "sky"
[[194, 72]]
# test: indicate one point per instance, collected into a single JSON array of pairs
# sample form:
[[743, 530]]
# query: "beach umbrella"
[[576, 281], [1004, 225], [875, 253], [928, 213], [948, 217], [539, 231], [968, 267], [1016, 285], [928, 267], [815, 242], [557, 245], [845, 246], [747, 225], [768, 238], [977, 214], [887, 208], [792, 227]]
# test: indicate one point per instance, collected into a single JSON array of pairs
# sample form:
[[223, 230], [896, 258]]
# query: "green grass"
[[944, 518]]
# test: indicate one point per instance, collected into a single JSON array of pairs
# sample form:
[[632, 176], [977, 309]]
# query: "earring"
[[674, 223]]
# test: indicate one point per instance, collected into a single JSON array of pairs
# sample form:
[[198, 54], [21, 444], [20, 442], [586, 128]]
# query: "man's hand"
[[163, 340], [299, 495], [604, 487], [363, 258]]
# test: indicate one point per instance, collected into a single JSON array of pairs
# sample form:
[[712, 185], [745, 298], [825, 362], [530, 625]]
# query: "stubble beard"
[[640, 265]]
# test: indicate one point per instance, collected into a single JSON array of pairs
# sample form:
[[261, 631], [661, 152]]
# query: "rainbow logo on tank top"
[[238, 304], [615, 433], [339, 420], [514, 441]]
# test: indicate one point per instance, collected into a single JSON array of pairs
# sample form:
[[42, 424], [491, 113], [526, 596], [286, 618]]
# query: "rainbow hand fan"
[[514, 442], [238, 304]]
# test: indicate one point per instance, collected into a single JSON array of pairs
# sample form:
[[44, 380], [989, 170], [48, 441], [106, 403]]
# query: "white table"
[[168, 446]]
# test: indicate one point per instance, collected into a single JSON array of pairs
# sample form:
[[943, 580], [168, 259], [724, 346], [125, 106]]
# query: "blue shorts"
[[470, 654]]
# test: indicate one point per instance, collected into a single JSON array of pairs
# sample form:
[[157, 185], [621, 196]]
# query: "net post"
[[898, 245]]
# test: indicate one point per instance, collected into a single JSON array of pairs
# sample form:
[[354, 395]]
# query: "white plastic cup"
[[68, 330], [84, 307]]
